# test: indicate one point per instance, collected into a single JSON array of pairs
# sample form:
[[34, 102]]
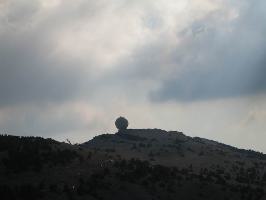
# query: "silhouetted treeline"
[[248, 153], [32, 153]]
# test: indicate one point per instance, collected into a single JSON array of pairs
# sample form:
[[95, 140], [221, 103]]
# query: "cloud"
[[223, 57], [31, 69], [57, 52]]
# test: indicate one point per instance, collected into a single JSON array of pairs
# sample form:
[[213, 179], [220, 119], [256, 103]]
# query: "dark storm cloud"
[[222, 60], [207, 85]]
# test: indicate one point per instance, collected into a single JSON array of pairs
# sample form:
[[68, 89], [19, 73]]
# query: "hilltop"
[[172, 148], [131, 164]]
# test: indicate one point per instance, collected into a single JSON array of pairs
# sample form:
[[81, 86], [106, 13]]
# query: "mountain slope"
[[174, 149], [132, 164]]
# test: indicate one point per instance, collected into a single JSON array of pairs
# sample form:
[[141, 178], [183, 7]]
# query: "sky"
[[69, 68]]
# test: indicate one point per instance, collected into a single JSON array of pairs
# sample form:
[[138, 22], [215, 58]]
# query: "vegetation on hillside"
[[37, 168]]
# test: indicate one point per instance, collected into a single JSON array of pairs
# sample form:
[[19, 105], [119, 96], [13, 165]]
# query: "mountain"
[[131, 164], [172, 149]]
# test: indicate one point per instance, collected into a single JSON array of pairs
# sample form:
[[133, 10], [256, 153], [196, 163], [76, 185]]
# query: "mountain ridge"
[[131, 164], [178, 139]]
